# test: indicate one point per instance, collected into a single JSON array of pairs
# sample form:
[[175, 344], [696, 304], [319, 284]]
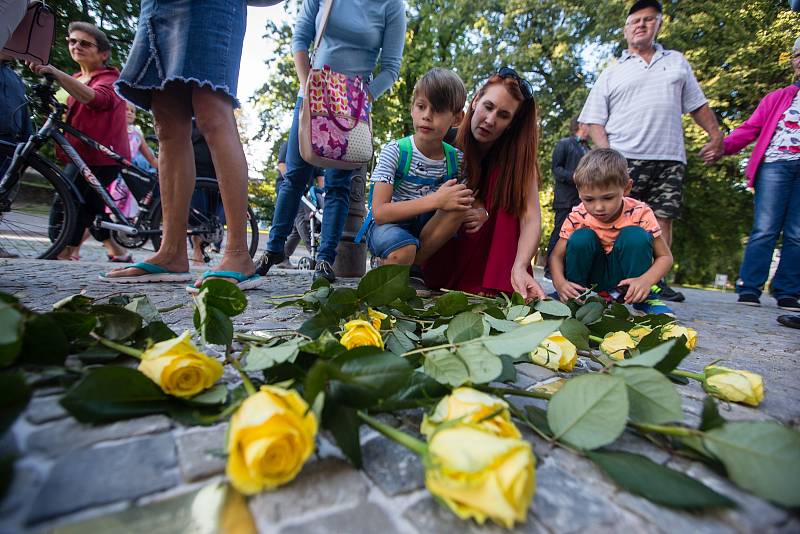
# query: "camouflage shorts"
[[659, 184]]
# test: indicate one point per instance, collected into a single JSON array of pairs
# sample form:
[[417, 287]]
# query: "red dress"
[[479, 262]]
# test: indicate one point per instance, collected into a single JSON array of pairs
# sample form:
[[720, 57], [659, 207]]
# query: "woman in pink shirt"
[[774, 171]]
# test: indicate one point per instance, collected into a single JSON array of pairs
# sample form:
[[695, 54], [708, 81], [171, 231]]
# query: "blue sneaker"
[[653, 306]]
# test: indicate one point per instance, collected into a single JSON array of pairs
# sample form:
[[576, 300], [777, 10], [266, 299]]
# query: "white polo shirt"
[[641, 105]]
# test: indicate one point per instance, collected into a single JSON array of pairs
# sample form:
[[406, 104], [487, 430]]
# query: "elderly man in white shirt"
[[635, 107]]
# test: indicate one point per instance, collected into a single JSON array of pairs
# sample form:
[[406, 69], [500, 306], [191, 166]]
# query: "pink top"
[[761, 125]]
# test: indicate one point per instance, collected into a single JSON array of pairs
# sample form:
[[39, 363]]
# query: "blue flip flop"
[[152, 273], [243, 281]]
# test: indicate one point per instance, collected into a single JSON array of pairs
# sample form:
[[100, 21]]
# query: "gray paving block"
[[44, 409], [428, 515], [367, 518], [394, 468], [104, 475], [199, 452]]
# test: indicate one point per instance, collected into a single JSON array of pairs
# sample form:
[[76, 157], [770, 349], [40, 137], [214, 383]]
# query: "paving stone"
[[25, 484], [67, 434], [44, 409], [428, 515], [104, 475], [198, 452], [367, 518], [630, 442], [536, 372], [668, 520], [321, 484], [392, 467]]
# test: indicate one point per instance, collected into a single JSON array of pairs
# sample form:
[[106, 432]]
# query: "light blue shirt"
[[358, 33]]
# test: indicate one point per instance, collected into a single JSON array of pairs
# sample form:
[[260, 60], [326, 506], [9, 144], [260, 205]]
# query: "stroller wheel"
[[305, 263]]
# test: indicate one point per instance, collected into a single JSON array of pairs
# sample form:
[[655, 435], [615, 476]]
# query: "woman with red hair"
[[489, 248]]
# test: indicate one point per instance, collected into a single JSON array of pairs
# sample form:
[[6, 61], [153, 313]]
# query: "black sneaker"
[[665, 292], [789, 303], [749, 299], [792, 321], [324, 270], [269, 260]]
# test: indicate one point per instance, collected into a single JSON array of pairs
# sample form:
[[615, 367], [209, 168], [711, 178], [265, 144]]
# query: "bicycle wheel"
[[207, 218], [41, 211]]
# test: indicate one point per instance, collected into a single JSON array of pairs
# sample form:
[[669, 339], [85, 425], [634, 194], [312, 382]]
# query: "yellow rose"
[[674, 330], [480, 475], [270, 438], [375, 317], [471, 406], [615, 344], [359, 333], [528, 319], [179, 368], [638, 333], [734, 385], [556, 352]]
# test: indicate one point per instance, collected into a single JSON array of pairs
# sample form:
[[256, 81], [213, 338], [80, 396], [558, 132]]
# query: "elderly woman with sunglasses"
[[94, 108], [489, 250]]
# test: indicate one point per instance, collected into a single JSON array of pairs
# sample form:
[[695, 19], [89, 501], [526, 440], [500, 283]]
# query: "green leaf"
[[576, 332], [760, 456], [98, 354], [590, 312], [589, 411], [141, 304], [639, 475], [420, 389], [445, 367], [112, 393], [224, 295], [553, 308], [649, 358], [674, 357], [325, 345], [343, 423], [398, 343], [468, 363], [517, 311], [383, 285], [6, 473], [8, 299], [216, 326], [367, 374], [501, 325], [260, 358], [710, 417], [75, 325], [11, 327], [538, 418], [43, 342], [78, 303], [213, 396], [324, 320], [609, 324], [153, 332], [320, 282], [509, 372], [451, 303], [14, 397], [521, 340], [482, 365], [618, 310], [465, 326], [343, 301], [116, 323], [651, 396], [314, 382]]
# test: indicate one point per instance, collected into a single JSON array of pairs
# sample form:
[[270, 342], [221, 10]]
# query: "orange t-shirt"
[[634, 213]]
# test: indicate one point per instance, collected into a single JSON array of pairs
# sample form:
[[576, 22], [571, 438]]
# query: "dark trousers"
[[561, 216], [588, 265], [92, 205]]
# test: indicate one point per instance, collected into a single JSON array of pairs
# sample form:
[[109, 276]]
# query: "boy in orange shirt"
[[610, 241]]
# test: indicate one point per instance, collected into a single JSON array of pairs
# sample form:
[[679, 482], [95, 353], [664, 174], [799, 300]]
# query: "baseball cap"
[[641, 4]]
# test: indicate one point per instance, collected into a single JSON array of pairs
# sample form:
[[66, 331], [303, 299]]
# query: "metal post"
[[351, 258]]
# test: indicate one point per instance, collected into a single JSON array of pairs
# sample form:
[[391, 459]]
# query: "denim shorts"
[[383, 239], [190, 41]]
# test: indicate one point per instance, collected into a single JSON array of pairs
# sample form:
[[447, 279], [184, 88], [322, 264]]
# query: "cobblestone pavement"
[[70, 472]]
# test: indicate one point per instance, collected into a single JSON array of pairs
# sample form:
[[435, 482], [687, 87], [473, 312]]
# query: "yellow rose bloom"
[[638, 333], [360, 333], [556, 353], [674, 330], [734, 385], [179, 368], [375, 317], [615, 344], [471, 406], [270, 437], [480, 475], [528, 319]]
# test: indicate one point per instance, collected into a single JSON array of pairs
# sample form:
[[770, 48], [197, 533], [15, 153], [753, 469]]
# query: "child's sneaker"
[[653, 305]]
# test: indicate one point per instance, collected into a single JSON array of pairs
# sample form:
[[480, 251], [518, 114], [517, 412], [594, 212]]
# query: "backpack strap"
[[451, 157]]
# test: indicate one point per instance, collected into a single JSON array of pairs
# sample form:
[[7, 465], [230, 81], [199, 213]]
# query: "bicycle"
[[38, 211]]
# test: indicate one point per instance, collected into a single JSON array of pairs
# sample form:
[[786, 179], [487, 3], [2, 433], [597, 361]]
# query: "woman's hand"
[[523, 283], [475, 219], [44, 70]]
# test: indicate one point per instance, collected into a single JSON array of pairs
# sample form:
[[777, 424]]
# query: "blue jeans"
[[777, 208], [383, 239], [294, 185]]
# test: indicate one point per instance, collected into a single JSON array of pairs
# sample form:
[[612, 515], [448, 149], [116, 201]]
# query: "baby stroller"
[[313, 203]]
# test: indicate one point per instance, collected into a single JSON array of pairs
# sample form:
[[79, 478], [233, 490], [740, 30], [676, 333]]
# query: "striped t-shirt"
[[634, 213], [420, 166], [640, 104]]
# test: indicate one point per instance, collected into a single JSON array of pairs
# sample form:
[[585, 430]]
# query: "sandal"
[[127, 258]]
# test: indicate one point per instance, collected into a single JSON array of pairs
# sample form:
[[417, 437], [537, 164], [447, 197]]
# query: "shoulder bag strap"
[[326, 14]]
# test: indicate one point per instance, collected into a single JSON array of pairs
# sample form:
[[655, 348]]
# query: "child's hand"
[[453, 196], [638, 289], [568, 290]]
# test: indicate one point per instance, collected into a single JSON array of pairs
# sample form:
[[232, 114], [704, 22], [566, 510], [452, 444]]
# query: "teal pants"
[[588, 265]]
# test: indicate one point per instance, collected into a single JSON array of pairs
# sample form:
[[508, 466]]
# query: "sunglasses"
[[525, 86], [71, 41]]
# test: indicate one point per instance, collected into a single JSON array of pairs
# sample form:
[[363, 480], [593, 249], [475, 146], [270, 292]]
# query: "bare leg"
[[173, 117], [401, 256], [197, 251], [113, 248], [215, 120], [438, 231], [666, 230]]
